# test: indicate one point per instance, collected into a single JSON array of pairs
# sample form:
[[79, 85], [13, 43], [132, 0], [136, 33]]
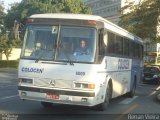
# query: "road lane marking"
[[152, 93], [128, 100], [158, 88], [8, 97], [133, 107], [8, 86]]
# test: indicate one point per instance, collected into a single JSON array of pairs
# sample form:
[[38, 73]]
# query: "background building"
[[109, 9]]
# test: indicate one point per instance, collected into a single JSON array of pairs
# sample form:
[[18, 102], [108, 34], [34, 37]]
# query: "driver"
[[83, 49]]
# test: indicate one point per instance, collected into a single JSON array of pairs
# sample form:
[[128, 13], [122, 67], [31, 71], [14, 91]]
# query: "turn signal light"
[[91, 86], [84, 85]]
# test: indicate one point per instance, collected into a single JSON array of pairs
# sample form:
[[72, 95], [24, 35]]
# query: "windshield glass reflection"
[[63, 43]]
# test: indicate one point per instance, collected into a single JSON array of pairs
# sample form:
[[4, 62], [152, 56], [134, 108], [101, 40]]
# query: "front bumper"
[[71, 97]]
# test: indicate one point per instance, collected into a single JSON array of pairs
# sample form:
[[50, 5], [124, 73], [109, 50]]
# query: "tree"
[[20, 11], [6, 43], [142, 20], [16, 17], [2, 14], [5, 46]]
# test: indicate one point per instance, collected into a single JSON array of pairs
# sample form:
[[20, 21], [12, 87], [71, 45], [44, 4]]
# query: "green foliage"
[[20, 11], [17, 43], [158, 39], [5, 46], [1, 11], [9, 64], [2, 15], [142, 21], [6, 43], [15, 19]]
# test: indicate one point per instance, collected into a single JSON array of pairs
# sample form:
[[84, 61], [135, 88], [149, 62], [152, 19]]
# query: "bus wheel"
[[108, 94], [132, 92], [46, 104]]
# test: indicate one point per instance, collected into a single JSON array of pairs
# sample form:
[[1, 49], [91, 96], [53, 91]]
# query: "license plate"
[[52, 96]]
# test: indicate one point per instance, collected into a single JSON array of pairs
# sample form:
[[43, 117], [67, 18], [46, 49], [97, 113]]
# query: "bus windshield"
[[59, 43]]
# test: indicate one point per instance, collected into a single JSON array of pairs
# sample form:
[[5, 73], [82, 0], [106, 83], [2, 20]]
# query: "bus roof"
[[109, 24], [68, 16]]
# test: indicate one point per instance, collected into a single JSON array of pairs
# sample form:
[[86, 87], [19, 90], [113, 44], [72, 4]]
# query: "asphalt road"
[[122, 108]]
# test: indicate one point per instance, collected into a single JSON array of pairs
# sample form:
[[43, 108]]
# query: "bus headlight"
[[26, 80], [84, 85]]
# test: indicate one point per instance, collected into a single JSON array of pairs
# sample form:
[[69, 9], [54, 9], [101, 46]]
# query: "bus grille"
[[57, 83]]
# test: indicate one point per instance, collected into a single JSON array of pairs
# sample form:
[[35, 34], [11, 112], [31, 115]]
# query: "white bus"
[[50, 73]]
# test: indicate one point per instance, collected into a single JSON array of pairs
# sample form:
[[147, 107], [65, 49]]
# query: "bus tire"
[[108, 93], [133, 90], [46, 104]]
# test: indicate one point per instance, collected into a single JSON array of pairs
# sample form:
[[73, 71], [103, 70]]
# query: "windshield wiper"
[[68, 58], [70, 62], [38, 59]]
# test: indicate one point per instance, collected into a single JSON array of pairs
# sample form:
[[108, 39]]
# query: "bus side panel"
[[136, 72], [119, 71]]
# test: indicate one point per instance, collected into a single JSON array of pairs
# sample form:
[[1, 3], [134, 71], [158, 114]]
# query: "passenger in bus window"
[[83, 49], [42, 51], [65, 50], [66, 47], [36, 52]]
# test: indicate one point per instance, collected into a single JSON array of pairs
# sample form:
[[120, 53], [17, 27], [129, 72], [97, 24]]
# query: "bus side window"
[[105, 42], [141, 51], [111, 43], [118, 45], [101, 42], [136, 50], [126, 47], [131, 49]]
